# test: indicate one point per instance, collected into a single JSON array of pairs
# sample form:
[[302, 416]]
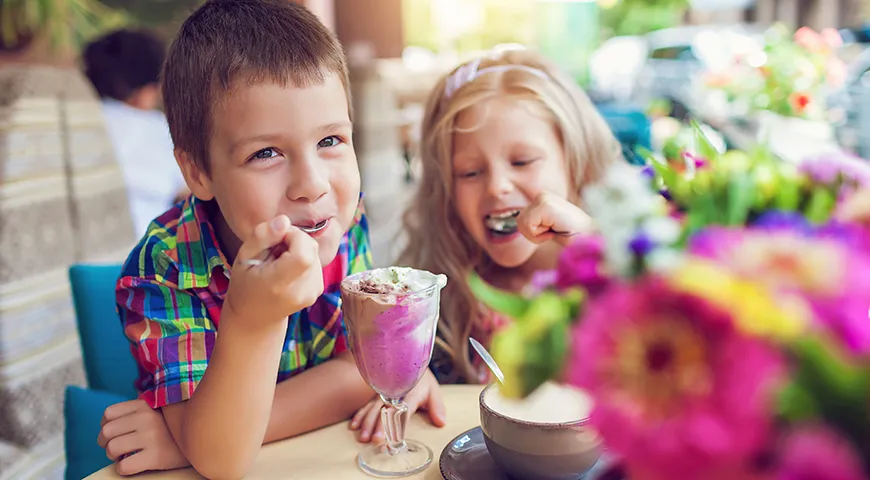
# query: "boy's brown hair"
[[225, 42]]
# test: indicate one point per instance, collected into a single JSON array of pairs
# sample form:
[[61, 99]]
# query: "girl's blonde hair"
[[436, 240]]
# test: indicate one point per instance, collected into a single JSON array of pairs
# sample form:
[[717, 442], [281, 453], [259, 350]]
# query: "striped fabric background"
[[62, 200]]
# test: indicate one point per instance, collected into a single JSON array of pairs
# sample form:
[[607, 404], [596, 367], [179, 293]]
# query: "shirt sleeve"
[[171, 338]]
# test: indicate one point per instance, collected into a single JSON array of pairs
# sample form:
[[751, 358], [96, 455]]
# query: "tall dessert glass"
[[391, 316]]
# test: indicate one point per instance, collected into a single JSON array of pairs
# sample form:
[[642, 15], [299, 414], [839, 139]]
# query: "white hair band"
[[468, 72]]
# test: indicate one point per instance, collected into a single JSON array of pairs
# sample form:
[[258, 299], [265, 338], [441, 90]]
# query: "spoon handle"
[[487, 359]]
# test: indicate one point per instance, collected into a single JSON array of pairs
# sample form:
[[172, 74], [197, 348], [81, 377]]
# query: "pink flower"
[[582, 265], [678, 390], [836, 72], [822, 265], [818, 453], [810, 39], [832, 37]]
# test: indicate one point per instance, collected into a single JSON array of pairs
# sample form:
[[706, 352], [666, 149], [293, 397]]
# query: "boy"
[[256, 96], [124, 67]]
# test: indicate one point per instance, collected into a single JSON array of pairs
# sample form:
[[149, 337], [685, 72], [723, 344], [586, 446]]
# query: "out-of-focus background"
[[67, 193]]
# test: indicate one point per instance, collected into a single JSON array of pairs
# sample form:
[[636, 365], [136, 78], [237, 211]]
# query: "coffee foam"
[[551, 403]]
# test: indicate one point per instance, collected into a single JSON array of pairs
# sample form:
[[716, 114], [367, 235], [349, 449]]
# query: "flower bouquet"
[[788, 75], [719, 318]]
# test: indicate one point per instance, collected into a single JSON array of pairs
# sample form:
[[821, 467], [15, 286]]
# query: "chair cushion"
[[83, 410]]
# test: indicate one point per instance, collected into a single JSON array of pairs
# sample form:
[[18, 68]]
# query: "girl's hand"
[[551, 217], [137, 439], [425, 396]]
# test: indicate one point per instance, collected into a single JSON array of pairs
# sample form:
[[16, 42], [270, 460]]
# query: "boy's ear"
[[197, 180]]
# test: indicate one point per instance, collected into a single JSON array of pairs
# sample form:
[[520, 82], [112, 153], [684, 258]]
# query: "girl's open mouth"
[[502, 223]]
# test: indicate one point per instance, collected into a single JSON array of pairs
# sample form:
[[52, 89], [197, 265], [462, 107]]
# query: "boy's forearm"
[[340, 392], [220, 429]]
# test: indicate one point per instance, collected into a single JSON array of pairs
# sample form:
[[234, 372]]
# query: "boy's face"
[[281, 150]]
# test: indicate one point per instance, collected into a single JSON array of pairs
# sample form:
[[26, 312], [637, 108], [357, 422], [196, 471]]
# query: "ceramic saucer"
[[466, 458]]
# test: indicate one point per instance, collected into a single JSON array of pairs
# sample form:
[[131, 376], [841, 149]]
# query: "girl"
[[509, 142]]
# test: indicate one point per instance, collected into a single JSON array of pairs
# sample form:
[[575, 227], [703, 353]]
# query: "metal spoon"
[[253, 262], [487, 359]]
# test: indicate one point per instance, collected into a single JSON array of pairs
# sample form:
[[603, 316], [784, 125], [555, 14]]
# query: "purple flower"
[[780, 220], [830, 169], [641, 244], [648, 172]]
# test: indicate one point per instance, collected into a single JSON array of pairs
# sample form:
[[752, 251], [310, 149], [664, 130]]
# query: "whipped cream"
[[391, 281]]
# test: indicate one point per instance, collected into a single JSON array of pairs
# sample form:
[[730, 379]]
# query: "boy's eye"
[[330, 141], [264, 154]]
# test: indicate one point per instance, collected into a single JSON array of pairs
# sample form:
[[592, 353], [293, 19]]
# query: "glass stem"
[[394, 418]]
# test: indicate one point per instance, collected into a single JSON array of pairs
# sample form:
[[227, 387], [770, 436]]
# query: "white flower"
[[663, 260], [661, 230]]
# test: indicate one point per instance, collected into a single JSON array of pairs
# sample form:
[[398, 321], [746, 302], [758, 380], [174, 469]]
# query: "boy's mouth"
[[313, 227], [502, 223]]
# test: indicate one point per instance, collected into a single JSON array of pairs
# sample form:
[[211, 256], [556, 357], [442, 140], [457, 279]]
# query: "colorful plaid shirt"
[[172, 288]]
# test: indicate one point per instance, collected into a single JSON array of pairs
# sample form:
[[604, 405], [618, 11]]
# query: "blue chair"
[[109, 367], [82, 410], [630, 126]]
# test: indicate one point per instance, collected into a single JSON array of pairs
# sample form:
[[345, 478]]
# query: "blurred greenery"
[[161, 16], [503, 21], [71, 23], [639, 17], [500, 22], [68, 23]]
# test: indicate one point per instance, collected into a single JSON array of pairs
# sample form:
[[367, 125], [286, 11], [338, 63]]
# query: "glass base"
[[376, 461]]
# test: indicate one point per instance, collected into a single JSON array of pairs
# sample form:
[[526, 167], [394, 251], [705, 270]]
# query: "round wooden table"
[[330, 453]]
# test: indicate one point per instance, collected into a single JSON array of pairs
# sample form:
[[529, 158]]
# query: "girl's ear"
[[197, 180]]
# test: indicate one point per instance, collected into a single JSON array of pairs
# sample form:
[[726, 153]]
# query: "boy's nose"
[[308, 181]]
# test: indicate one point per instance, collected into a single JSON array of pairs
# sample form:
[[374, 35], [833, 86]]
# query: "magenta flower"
[[582, 264], [827, 266], [678, 390], [818, 453]]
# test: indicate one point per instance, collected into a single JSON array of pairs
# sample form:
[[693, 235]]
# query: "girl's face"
[[505, 154]]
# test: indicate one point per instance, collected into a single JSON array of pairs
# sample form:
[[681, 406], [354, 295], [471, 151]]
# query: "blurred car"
[[614, 67], [849, 106], [677, 58]]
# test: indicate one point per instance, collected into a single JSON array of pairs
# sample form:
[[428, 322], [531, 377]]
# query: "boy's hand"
[[551, 217], [425, 396], [290, 280], [137, 439]]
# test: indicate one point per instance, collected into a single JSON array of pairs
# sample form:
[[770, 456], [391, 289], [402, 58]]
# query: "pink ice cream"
[[391, 323]]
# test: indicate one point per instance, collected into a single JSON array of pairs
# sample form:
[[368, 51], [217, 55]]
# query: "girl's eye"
[[471, 174], [265, 154], [331, 141], [521, 163]]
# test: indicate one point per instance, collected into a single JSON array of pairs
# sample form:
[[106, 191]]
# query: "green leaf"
[[531, 351], [703, 144], [787, 196], [795, 403], [821, 204], [741, 193], [514, 306], [840, 387]]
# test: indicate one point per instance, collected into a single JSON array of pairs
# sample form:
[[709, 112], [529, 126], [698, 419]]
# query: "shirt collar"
[[199, 252]]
